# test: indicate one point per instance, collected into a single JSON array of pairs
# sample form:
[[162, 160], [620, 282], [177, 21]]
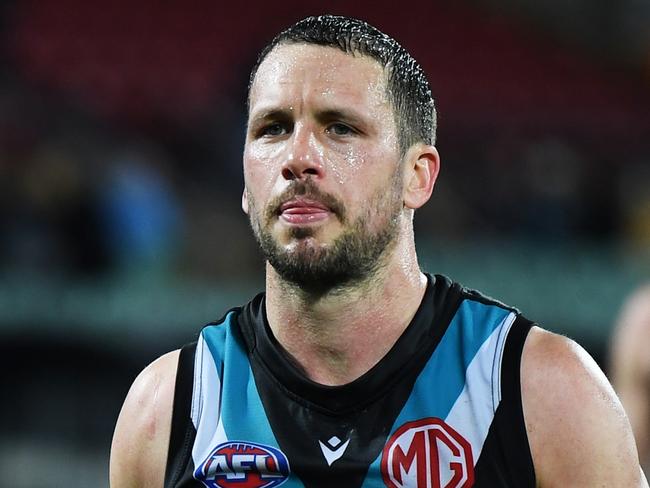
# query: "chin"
[[305, 248], [302, 233], [304, 238]]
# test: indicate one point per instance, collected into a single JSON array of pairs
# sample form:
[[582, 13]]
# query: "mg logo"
[[427, 453]]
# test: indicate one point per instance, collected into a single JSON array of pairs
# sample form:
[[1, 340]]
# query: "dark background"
[[121, 130]]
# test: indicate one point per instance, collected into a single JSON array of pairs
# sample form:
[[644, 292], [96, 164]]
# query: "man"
[[630, 366], [355, 369]]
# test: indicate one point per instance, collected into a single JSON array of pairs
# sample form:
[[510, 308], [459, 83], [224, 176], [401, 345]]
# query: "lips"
[[304, 211]]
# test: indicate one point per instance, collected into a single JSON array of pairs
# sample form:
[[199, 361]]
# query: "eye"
[[273, 130], [340, 129]]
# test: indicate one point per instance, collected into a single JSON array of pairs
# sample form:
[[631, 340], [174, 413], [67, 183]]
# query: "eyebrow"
[[322, 116], [340, 114], [271, 114]]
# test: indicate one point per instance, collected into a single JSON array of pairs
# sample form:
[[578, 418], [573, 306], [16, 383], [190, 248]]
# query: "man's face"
[[321, 165]]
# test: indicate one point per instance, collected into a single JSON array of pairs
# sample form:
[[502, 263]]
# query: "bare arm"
[[577, 429], [141, 438]]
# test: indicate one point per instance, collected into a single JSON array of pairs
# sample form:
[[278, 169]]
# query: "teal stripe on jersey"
[[242, 412], [214, 337], [443, 378]]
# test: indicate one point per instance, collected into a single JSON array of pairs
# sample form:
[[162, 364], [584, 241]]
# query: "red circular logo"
[[427, 453]]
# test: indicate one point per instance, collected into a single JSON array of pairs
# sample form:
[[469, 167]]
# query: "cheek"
[[366, 166], [261, 166], [371, 160], [346, 163]]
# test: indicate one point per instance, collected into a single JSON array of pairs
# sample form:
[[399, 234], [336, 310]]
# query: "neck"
[[338, 336]]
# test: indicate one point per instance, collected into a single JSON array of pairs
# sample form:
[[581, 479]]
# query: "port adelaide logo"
[[243, 465], [427, 453]]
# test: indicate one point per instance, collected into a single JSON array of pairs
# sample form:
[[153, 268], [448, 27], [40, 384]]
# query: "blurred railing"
[[576, 290]]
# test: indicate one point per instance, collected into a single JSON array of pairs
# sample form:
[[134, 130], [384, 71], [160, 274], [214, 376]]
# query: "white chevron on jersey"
[[206, 403], [482, 392]]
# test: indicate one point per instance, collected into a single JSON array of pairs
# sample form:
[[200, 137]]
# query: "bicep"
[[578, 431], [141, 437]]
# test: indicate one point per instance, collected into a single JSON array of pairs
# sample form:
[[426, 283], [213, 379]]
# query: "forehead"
[[292, 70]]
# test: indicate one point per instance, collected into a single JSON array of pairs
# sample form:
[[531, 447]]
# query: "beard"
[[353, 257]]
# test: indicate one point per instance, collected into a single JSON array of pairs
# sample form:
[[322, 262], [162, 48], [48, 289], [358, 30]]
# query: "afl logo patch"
[[243, 465], [427, 453]]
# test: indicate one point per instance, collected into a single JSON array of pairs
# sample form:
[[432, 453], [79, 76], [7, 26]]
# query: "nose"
[[305, 156]]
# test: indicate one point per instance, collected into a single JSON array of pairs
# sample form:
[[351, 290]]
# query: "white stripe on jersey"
[[206, 404], [482, 388]]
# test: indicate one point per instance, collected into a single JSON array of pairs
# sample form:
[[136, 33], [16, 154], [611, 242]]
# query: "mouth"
[[302, 211]]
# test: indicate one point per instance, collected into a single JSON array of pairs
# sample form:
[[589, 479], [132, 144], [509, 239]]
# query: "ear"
[[421, 167], [244, 201]]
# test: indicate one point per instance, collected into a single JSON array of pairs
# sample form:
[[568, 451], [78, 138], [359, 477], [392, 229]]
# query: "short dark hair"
[[407, 85]]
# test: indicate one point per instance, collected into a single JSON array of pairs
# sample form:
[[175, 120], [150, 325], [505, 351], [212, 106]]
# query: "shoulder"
[[578, 431], [141, 437]]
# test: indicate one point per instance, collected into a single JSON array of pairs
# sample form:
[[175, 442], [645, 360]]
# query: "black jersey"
[[441, 409]]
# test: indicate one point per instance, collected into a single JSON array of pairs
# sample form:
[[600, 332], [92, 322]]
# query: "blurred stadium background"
[[121, 130]]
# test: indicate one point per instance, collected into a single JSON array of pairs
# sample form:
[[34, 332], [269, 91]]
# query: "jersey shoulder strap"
[[506, 453], [186, 407], [182, 430]]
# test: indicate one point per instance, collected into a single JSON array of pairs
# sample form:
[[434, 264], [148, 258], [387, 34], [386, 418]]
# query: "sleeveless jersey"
[[442, 409]]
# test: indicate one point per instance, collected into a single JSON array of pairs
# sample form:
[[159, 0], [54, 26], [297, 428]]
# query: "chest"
[[424, 427]]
